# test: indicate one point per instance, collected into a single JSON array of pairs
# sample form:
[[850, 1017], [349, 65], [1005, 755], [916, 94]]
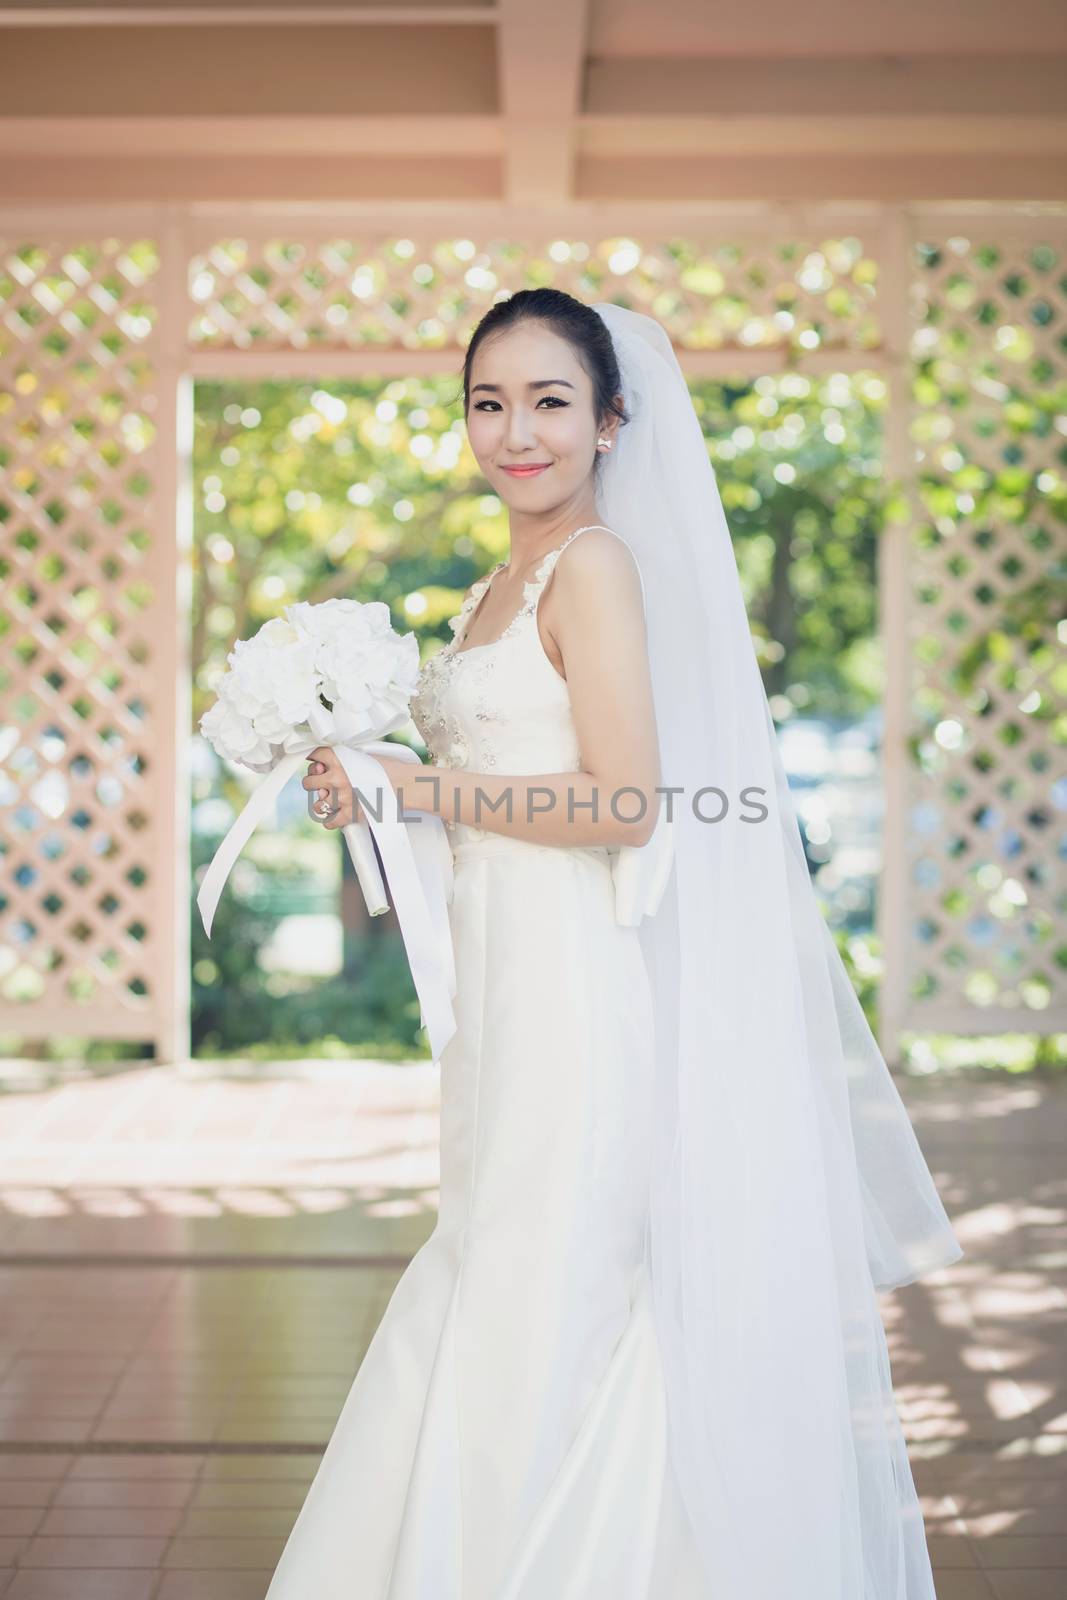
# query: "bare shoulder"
[[598, 557]]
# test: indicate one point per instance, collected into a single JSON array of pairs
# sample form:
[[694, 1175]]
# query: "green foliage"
[[241, 1008], [861, 957], [227, 984], [369, 489], [992, 501], [799, 466], [366, 490]]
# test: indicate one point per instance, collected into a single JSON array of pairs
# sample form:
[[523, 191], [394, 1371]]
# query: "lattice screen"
[[87, 563], [803, 293], [83, 838], [986, 940]]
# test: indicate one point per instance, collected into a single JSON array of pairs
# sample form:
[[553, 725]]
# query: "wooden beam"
[[830, 134], [371, 71], [205, 14], [542, 55], [223, 136], [1023, 85], [848, 28], [732, 361], [239, 180], [850, 176]]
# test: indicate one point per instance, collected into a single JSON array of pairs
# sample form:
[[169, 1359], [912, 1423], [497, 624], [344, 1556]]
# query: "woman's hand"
[[326, 775], [326, 772]]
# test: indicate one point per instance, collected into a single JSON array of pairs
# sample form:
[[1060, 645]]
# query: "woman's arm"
[[600, 631]]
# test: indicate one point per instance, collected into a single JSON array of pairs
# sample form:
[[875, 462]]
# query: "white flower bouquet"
[[337, 673]]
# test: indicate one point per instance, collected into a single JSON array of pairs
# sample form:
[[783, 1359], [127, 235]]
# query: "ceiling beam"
[[850, 29], [607, 137], [240, 180], [224, 136], [845, 176], [208, 15], [541, 63], [898, 86], [234, 72], [832, 134]]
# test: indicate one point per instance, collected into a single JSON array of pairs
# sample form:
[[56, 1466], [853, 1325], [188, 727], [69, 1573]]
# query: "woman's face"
[[531, 405]]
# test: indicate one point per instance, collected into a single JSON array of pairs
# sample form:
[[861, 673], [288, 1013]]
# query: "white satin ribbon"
[[416, 857]]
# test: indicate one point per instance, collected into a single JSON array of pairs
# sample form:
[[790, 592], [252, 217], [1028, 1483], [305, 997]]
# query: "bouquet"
[[337, 673]]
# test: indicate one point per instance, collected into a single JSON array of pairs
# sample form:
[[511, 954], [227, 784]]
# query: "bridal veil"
[[788, 1183]]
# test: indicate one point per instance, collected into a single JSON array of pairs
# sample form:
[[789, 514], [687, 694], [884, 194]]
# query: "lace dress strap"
[[533, 589], [458, 623], [546, 566]]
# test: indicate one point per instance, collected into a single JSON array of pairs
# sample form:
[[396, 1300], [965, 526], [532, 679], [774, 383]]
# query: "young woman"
[[640, 1357]]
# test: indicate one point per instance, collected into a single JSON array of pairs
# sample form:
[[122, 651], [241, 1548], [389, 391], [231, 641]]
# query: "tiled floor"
[[191, 1266]]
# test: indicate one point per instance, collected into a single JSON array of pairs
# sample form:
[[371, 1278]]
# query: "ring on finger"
[[324, 810]]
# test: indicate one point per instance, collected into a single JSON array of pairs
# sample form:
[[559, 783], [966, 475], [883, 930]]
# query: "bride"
[[640, 1357]]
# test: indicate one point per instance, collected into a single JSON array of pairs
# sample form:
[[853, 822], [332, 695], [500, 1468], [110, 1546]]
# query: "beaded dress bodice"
[[502, 705]]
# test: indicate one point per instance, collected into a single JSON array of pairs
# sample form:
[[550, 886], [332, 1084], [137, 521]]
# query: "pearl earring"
[[605, 442]]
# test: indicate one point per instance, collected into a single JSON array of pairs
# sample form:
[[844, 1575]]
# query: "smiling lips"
[[528, 472]]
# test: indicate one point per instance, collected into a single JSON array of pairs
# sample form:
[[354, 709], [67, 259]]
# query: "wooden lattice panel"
[[986, 897], [81, 838], [92, 845], [765, 293]]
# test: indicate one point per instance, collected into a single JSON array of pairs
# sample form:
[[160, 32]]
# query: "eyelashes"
[[556, 401]]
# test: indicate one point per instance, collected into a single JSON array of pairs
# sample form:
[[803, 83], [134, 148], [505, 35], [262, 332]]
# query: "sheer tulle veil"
[[788, 1183]]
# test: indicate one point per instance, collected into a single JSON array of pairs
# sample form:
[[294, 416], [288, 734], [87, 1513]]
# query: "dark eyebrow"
[[542, 383]]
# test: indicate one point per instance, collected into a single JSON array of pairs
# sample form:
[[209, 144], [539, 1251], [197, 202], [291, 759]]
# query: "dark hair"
[[582, 327]]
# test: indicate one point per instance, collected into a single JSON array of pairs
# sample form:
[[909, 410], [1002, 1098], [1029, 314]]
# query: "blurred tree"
[[799, 466], [303, 492], [369, 489]]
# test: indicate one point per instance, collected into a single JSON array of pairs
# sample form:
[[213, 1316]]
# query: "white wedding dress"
[[506, 1435]]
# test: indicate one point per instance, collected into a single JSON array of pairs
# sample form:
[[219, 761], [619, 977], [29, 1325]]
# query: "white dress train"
[[505, 1437]]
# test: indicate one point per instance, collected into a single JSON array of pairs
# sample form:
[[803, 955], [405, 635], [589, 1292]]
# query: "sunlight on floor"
[[193, 1261]]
